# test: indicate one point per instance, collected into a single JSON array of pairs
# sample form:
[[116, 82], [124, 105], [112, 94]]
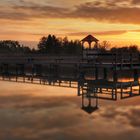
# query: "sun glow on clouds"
[[115, 21]]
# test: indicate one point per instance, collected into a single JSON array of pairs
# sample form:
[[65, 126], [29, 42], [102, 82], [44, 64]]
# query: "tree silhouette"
[[54, 45], [125, 49], [9, 46], [49, 45], [42, 45]]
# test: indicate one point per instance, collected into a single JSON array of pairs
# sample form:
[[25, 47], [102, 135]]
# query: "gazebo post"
[[96, 45], [82, 49], [89, 45]]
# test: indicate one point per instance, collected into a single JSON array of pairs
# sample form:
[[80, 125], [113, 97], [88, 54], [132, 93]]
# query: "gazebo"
[[89, 39]]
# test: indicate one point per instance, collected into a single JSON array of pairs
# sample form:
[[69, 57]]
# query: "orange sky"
[[116, 21]]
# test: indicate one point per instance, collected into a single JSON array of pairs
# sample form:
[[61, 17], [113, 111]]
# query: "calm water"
[[36, 112]]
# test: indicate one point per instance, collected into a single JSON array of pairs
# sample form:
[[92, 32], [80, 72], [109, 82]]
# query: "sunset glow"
[[116, 21]]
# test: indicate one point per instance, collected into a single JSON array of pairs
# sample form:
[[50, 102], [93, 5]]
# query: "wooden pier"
[[97, 76]]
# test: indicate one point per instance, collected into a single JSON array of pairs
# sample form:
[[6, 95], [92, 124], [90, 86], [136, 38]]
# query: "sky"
[[116, 21]]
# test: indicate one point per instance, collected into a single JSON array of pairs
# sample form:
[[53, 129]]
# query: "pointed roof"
[[90, 39]]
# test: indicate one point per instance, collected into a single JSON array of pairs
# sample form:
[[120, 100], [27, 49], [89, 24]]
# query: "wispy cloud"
[[135, 2], [107, 11], [103, 33], [117, 32]]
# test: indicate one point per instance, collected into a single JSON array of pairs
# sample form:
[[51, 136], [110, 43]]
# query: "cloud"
[[135, 30], [116, 14], [31, 12], [103, 33], [124, 115], [135, 2], [117, 32], [104, 11]]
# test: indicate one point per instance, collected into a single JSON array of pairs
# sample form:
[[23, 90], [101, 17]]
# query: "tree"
[[49, 45], [72, 47], [9, 46], [133, 49], [104, 46], [42, 45], [54, 45], [125, 49]]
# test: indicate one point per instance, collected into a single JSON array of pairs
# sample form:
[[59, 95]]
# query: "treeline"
[[52, 45], [126, 49], [9, 46]]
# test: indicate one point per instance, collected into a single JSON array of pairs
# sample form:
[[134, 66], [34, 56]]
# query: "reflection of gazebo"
[[89, 39]]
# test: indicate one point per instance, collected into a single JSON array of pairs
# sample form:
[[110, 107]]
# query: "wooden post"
[[121, 91], [115, 76], [53, 82], [96, 100], [139, 88], [82, 100], [89, 45], [24, 73], [131, 60], [112, 93], [100, 90], [0, 70], [116, 62], [135, 75], [121, 61], [69, 83], [131, 89], [96, 73], [115, 93], [105, 73], [8, 71], [82, 50], [40, 75], [32, 76], [59, 82], [89, 99], [40, 82], [79, 87], [3, 71], [16, 72]]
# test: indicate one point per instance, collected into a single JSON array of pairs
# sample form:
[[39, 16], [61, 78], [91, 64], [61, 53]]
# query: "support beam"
[[82, 100], [131, 89], [105, 73], [96, 100], [96, 73], [139, 88], [121, 91], [16, 72], [135, 75], [115, 76]]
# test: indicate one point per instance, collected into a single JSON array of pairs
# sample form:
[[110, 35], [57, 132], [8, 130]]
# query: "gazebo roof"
[[90, 39], [89, 109]]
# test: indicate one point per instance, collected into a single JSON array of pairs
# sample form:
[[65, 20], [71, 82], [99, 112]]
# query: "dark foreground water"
[[35, 112]]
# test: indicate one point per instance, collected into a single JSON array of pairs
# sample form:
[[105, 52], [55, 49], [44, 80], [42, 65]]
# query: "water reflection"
[[35, 112]]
